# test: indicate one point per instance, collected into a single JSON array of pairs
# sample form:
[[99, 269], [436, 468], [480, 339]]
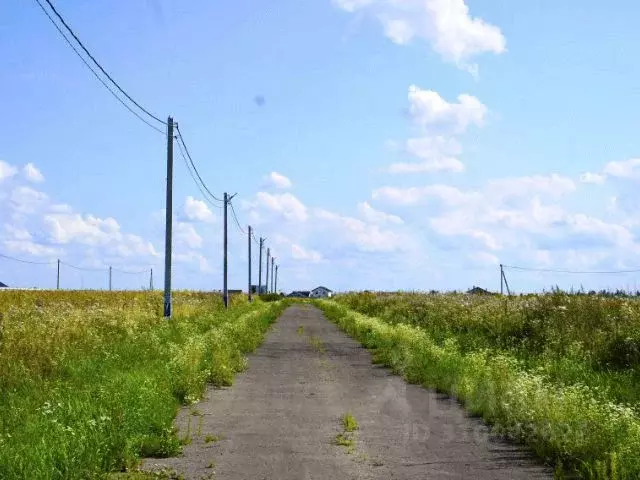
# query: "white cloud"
[[372, 215], [484, 258], [16, 232], [366, 237], [277, 180], [197, 211], [446, 25], [589, 177], [439, 122], [6, 170], [429, 110], [132, 246], [194, 258], [32, 173], [553, 185], [187, 235], [629, 169], [300, 253], [436, 155], [64, 228], [27, 200], [284, 204], [445, 164], [29, 247], [410, 196]]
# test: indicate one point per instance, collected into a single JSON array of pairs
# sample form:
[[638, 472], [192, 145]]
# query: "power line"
[[26, 261], [204, 194], [115, 95], [235, 217], [254, 238], [181, 139], [98, 64], [126, 272], [85, 269], [579, 272]]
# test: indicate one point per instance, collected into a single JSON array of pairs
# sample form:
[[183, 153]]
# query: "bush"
[[270, 297], [90, 381], [531, 366]]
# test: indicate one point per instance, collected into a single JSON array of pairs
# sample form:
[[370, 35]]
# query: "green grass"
[[344, 441], [538, 393], [317, 344], [212, 438], [349, 423], [91, 381], [347, 438], [300, 330]]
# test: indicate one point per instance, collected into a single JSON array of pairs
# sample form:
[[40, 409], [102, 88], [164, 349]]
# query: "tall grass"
[[544, 370], [91, 381], [570, 339]]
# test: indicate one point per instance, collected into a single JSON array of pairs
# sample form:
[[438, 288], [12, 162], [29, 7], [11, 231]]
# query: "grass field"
[[557, 372], [91, 381]]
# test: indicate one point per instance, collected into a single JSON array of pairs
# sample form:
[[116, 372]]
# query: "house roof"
[[317, 288], [478, 290], [2, 285]]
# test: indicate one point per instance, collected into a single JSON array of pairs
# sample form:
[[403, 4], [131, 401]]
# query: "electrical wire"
[[27, 261], [85, 269], [181, 139], [204, 194], [98, 64], [579, 272], [115, 95], [254, 239], [126, 272], [235, 217]]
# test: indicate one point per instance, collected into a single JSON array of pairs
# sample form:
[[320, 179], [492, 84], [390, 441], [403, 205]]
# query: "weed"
[[533, 373], [317, 344], [91, 381], [212, 438], [200, 422], [349, 423], [343, 441], [300, 330]]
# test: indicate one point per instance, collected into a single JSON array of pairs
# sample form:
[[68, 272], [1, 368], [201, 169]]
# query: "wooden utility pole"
[[151, 281], [260, 267], [249, 240], [58, 280], [276, 288], [272, 275], [110, 274], [225, 292], [266, 277], [168, 221]]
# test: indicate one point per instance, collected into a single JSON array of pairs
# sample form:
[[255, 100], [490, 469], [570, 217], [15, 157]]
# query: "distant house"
[[321, 292], [2, 285], [299, 294], [234, 292], [254, 289], [478, 291]]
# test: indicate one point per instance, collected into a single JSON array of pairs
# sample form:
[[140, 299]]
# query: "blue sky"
[[407, 144]]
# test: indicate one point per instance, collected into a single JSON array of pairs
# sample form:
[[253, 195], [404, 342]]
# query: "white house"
[[320, 292]]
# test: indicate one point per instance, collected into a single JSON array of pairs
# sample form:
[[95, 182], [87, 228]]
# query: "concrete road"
[[280, 419]]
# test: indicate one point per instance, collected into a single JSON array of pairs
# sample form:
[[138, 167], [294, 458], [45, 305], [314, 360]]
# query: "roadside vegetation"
[[91, 381], [559, 372], [347, 438]]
